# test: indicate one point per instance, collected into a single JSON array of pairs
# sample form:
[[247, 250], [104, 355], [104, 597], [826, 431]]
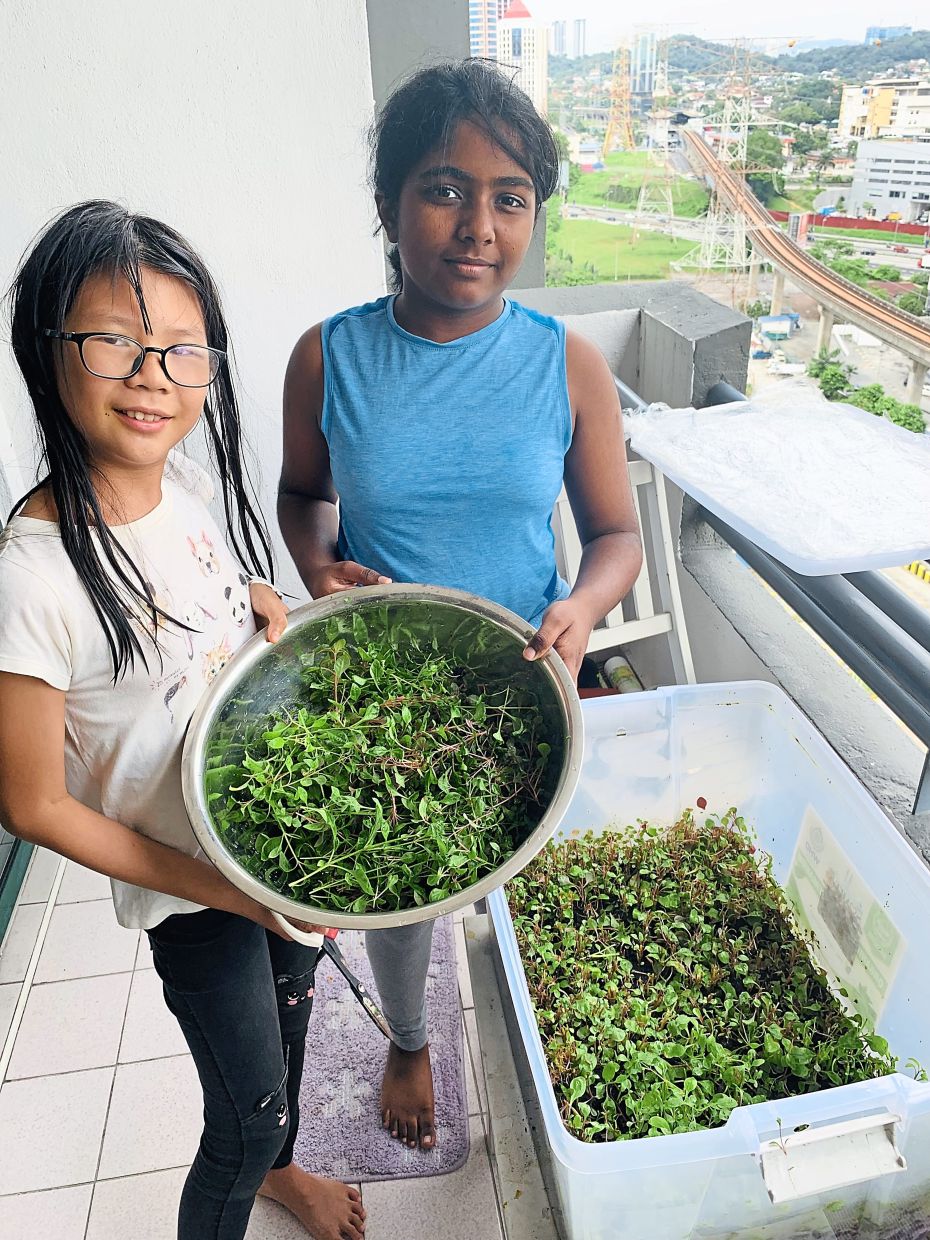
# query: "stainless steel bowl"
[[263, 678]]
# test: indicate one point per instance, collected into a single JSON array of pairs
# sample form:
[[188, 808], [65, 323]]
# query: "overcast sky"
[[608, 20]]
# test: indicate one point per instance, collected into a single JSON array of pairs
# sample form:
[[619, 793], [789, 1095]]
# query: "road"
[[676, 226], [877, 252]]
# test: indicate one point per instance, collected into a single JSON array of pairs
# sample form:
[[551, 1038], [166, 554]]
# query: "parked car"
[[869, 252], [760, 354]]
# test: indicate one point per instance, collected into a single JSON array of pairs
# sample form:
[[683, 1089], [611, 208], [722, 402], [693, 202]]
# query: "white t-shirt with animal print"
[[123, 740]]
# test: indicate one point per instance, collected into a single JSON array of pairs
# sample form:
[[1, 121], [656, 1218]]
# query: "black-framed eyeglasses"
[[110, 356]]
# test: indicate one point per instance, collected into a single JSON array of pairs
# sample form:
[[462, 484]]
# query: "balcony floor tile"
[[69, 1026], [51, 1128], [57, 1213], [156, 1117]]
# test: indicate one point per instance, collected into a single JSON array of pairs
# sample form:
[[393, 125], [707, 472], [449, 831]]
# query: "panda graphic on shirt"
[[237, 600]]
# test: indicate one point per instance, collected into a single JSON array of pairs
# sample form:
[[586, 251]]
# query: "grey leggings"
[[400, 961]]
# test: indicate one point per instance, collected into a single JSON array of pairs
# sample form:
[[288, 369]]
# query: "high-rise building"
[[523, 44], [482, 27], [559, 43], [886, 32], [579, 28], [643, 57]]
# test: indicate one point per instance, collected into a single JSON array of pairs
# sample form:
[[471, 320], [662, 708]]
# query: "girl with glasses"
[[114, 617], [444, 420]]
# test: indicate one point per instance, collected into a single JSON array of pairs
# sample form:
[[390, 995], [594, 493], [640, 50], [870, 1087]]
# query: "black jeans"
[[242, 997]]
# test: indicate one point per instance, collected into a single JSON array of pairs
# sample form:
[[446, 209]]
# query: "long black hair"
[[423, 112], [103, 237]]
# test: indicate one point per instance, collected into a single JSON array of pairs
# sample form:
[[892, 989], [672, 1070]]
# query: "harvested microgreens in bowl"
[[671, 983], [405, 764]]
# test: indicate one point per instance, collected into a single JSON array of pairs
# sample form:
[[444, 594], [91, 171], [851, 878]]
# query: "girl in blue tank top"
[[443, 421]]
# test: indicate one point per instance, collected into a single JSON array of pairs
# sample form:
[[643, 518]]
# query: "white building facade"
[[885, 108], [894, 177], [523, 44]]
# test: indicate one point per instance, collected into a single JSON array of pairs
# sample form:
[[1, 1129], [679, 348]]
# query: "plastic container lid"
[[823, 487]]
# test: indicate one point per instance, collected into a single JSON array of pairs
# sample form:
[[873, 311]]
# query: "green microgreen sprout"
[[672, 983]]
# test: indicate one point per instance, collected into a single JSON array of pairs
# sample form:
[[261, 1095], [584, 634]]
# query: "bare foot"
[[328, 1209], [407, 1097]]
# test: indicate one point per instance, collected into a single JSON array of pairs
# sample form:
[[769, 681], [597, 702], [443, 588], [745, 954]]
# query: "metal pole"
[[912, 712], [895, 604]]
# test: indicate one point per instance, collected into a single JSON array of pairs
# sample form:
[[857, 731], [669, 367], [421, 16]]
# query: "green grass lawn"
[[867, 234], [610, 248], [628, 168], [799, 199]]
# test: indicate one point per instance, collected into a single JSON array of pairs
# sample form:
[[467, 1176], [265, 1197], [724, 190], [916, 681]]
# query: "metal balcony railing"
[[878, 632]]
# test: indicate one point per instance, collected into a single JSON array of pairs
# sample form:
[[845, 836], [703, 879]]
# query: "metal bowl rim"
[[192, 758]]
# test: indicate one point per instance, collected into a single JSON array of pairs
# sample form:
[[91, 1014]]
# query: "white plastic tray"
[[824, 488], [648, 756]]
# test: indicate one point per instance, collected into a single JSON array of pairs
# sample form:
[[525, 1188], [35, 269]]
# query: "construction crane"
[[620, 119]]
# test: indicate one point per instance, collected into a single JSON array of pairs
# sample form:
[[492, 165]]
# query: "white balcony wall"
[[241, 124]]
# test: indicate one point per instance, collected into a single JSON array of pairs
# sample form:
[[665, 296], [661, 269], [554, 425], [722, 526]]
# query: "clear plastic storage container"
[[860, 1166]]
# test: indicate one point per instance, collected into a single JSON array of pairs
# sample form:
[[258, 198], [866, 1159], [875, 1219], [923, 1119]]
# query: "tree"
[[874, 399], [804, 143], [821, 360], [869, 398], [913, 303], [868, 208], [828, 249], [834, 382], [763, 149], [800, 114], [852, 148], [618, 192], [884, 271], [922, 278], [824, 161]]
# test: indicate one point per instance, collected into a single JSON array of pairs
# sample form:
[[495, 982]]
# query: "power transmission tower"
[[655, 193], [724, 245], [620, 119]]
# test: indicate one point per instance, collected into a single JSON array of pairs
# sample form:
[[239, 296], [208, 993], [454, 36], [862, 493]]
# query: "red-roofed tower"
[[523, 44]]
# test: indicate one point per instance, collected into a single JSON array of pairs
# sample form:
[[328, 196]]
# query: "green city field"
[[627, 169], [614, 253]]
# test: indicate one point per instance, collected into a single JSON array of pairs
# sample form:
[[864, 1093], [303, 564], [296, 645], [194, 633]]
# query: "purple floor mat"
[[340, 1126]]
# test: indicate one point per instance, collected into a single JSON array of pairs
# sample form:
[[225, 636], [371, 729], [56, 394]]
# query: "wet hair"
[[423, 113], [84, 241]]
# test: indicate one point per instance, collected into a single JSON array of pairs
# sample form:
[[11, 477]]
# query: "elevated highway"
[[838, 299]]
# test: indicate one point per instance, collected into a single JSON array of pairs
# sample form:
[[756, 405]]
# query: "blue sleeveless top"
[[448, 458]]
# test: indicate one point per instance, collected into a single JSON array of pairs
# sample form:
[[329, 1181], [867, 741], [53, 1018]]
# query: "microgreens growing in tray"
[[672, 984]]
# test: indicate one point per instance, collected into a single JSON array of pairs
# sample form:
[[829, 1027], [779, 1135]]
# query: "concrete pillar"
[[825, 329], [778, 293], [752, 286], [915, 384]]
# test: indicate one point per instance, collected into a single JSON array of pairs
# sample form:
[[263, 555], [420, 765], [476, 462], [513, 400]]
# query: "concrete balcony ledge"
[[673, 343]]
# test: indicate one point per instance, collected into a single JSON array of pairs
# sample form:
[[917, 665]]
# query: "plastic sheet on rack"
[[823, 487]]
